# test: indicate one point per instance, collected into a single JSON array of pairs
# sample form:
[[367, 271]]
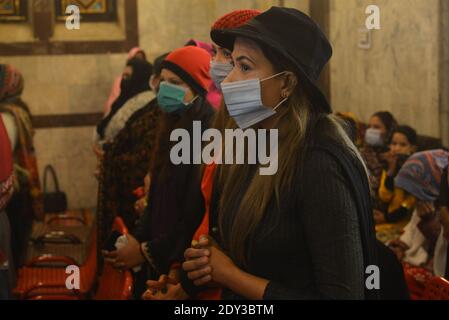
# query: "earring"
[[284, 95]]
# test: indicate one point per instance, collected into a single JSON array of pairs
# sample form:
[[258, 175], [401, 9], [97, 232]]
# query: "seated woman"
[[126, 137], [377, 136], [402, 146], [175, 204], [26, 203], [420, 177], [127, 156]]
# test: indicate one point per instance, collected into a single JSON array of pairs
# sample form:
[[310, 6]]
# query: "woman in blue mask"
[[220, 67], [175, 204], [221, 63], [305, 232]]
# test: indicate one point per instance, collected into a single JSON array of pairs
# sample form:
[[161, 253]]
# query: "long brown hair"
[[297, 121]]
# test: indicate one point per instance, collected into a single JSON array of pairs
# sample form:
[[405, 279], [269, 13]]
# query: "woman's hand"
[[222, 266], [209, 264], [126, 257], [164, 289], [197, 260], [425, 209], [391, 159], [399, 248]]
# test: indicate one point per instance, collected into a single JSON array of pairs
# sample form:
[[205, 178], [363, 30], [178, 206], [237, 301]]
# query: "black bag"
[[54, 202]]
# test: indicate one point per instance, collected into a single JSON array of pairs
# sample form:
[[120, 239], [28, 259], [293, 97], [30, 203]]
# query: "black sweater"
[[323, 239], [175, 208]]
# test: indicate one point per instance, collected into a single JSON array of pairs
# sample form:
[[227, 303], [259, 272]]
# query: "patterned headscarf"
[[421, 174], [11, 82]]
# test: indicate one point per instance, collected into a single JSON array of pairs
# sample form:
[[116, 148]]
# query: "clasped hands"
[[205, 264]]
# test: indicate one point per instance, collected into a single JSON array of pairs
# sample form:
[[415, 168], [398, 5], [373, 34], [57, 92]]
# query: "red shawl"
[[6, 167]]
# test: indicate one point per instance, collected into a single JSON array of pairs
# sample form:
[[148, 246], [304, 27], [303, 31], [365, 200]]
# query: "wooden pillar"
[[42, 19]]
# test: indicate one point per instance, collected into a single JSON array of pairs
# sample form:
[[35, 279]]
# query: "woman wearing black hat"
[[307, 231]]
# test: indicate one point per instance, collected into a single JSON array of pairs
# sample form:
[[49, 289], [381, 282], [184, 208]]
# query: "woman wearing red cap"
[[305, 232], [221, 63], [175, 204], [220, 67]]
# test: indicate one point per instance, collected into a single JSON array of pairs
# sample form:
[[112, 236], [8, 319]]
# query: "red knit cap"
[[235, 19], [192, 65]]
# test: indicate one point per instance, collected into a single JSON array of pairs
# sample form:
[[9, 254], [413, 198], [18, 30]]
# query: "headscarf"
[[129, 88], [421, 174], [115, 90], [11, 82], [134, 51], [192, 65], [213, 95], [203, 45]]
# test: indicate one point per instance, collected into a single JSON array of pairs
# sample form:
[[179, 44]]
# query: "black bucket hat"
[[292, 34]]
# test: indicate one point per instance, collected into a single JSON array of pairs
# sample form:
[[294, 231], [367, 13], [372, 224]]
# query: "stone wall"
[[400, 72]]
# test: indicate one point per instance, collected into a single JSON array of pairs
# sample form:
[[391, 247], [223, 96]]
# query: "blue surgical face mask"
[[170, 97], [244, 101], [219, 71], [373, 137]]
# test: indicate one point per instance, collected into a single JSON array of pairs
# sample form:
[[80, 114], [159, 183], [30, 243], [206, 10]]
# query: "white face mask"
[[219, 71], [373, 137], [244, 101]]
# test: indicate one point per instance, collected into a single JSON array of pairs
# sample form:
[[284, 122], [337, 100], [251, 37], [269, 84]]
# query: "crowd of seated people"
[[223, 231]]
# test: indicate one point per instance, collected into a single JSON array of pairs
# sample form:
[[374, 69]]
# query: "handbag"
[[56, 201]]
